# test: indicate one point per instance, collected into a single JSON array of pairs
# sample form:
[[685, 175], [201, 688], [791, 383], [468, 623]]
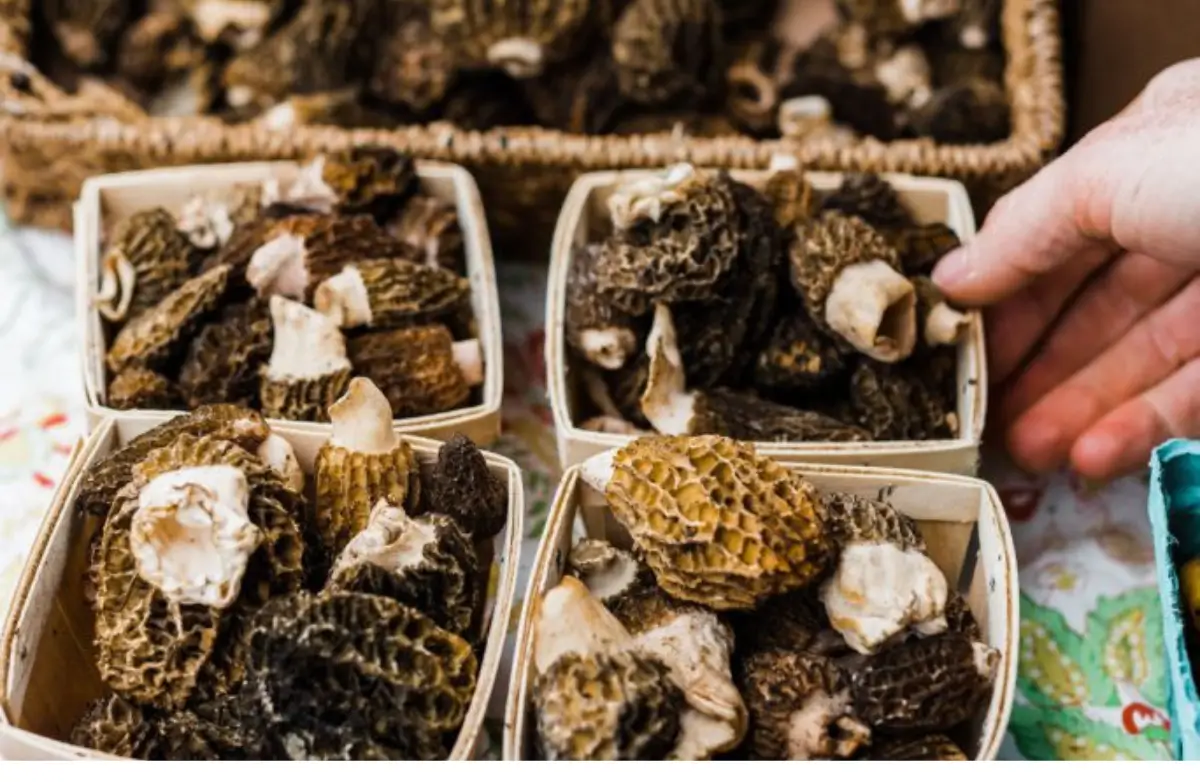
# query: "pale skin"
[[1090, 273]]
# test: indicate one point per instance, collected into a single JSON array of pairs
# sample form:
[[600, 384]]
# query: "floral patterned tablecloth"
[[1091, 681]]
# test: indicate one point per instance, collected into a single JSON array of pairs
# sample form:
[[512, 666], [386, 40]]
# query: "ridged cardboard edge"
[[480, 422], [1005, 594], [958, 456], [12, 653]]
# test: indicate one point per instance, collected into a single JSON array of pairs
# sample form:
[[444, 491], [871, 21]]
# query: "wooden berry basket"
[[47, 663], [961, 518], [50, 144], [107, 199], [929, 199]]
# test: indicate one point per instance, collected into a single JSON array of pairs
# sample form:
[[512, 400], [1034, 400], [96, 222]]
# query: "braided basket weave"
[[50, 143]]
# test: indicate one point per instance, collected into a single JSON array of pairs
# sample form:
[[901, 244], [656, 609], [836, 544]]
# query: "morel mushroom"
[[150, 339], [116, 726], [801, 708], [415, 67], [278, 454], [905, 403], [421, 370], [522, 37], [925, 685], [921, 246], [364, 180], [975, 111], [224, 360], [938, 322], [425, 562], [848, 276], [934, 746], [140, 388], [668, 50], [363, 462], [608, 572], [733, 528], [202, 530], [791, 622], [382, 294], [872, 198], [87, 29], [799, 358], [208, 220], [145, 260], [464, 488], [351, 676], [884, 583], [603, 335], [429, 226], [308, 369]]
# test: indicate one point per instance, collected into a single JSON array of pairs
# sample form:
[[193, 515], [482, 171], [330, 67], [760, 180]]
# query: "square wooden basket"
[[584, 216], [962, 521], [47, 661], [107, 199]]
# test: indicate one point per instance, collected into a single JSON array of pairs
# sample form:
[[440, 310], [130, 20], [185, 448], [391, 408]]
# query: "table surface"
[[1092, 682]]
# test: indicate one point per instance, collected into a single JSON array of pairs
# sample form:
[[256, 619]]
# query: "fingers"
[[1121, 442], [1042, 438], [1112, 302], [1015, 325]]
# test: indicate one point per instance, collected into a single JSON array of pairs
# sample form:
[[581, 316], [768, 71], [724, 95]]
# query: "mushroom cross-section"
[[308, 369]]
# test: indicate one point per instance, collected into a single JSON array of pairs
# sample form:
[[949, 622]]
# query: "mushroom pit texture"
[[391, 293], [145, 260], [420, 369], [464, 488], [308, 369]]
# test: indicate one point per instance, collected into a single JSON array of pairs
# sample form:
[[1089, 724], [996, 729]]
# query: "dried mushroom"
[[149, 339], [668, 50], [884, 583], [146, 259], [791, 622], [350, 676], [974, 111], [363, 462], [376, 181], [420, 370], [203, 531], [522, 37], [922, 246], [934, 746], [308, 369], [429, 226], [801, 708], [603, 334], [138, 387], [208, 220], [465, 489], [849, 278], [719, 525], [391, 293], [799, 357], [925, 685], [115, 726], [425, 562], [224, 360], [898, 403], [872, 198]]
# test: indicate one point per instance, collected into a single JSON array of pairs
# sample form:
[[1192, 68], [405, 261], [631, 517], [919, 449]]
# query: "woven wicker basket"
[[48, 150]]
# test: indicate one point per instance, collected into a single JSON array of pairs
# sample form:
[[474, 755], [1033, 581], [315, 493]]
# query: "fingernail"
[[953, 269]]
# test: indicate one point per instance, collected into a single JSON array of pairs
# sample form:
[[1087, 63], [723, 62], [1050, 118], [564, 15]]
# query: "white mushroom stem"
[[116, 287], [306, 344], [944, 325], [608, 347], [648, 196], [875, 308], [667, 405], [812, 728], [880, 590], [597, 470], [343, 298], [213, 17], [606, 571], [205, 222], [391, 540], [278, 454], [801, 116], [362, 420], [191, 535], [279, 268], [522, 58], [697, 647], [986, 659], [468, 355], [973, 36], [571, 619]]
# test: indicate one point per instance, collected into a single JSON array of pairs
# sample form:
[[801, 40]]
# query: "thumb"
[[1040, 226]]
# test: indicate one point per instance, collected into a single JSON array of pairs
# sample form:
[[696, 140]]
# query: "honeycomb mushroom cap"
[[791, 622], [115, 726], [620, 706], [140, 388], [150, 339], [926, 684], [154, 650], [522, 37], [799, 357], [977, 109], [801, 708], [921, 246], [791, 195], [746, 417], [570, 619], [871, 198], [682, 238], [346, 674], [363, 462], [390, 293], [580, 95], [145, 259], [224, 360], [602, 334], [718, 524], [668, 50], [905, 402], [420, 369], [430, 227], [370, 180], [854, 518], [464, 488], [960, 618], [425, 562]]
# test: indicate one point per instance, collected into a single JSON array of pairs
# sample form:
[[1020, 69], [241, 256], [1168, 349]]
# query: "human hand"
[[1089, 270]]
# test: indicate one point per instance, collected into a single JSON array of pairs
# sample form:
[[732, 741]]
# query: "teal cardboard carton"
[[1175, 519]]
